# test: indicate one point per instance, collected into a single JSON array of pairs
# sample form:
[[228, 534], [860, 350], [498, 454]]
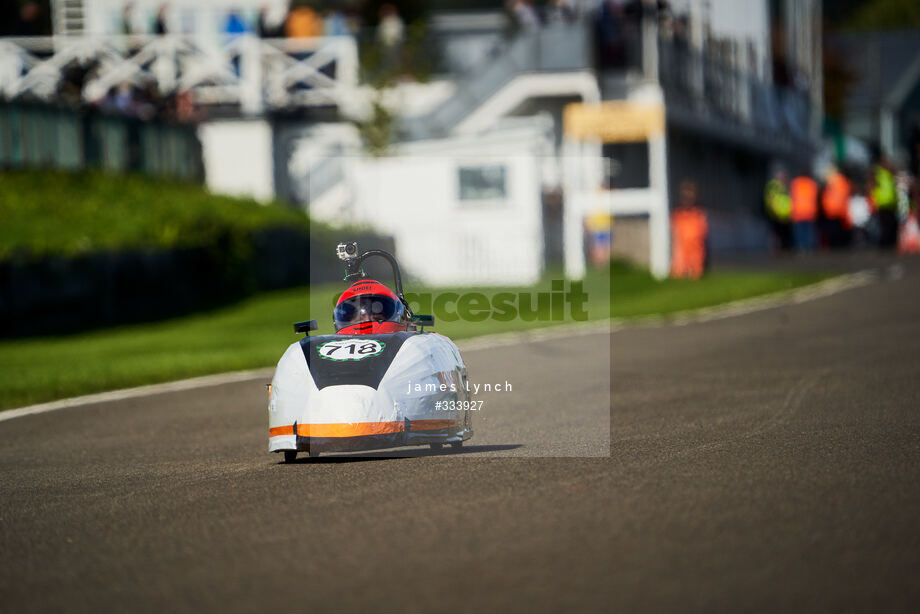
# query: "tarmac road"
[[767, 462]]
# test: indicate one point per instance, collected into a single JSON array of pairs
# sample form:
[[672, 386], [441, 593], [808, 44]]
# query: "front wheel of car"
[[436, 446], [456, 445], [290, 456]]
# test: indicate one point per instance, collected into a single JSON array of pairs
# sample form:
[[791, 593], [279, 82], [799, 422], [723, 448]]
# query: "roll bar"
[[354, 271]]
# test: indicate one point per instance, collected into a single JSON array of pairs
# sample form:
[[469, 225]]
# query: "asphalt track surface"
[[767, 462]]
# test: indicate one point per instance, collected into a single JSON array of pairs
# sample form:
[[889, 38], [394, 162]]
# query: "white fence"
[[256, 74]]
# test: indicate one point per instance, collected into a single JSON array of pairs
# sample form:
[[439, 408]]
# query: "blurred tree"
[[378, 130], [885, 15], [838, 78], [836, 12]]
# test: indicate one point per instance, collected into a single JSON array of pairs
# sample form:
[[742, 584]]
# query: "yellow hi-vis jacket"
[[779, 205], [884, 193]]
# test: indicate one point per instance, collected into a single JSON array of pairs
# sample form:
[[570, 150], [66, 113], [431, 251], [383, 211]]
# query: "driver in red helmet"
[[369, 307]]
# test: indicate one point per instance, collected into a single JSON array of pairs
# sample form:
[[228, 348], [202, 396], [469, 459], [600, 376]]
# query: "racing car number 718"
[[350, 349]]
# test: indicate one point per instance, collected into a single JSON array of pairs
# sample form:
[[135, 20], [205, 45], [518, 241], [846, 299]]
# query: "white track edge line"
[[810, 292], [139, 391]]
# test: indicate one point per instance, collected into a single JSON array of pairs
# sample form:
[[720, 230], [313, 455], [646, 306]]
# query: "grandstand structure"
[[245, 73], [519, 137]]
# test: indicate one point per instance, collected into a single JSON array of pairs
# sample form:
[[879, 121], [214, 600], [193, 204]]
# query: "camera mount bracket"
[[354, 271]]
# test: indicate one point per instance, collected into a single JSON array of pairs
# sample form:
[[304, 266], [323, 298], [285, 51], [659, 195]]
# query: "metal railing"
[[713, 90], [556, 48], [256, 74], [47, 136]]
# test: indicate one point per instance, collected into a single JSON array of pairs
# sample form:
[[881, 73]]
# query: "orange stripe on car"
[[346, 429]]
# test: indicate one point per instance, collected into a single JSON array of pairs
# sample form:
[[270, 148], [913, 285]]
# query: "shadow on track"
[[398, 454]]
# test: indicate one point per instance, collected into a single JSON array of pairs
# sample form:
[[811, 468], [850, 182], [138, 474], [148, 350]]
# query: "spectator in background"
[[334, 23], [352, 20], [835, 202], [525, 15], [303, 22], [598, 234], [123, 100], [235, 24], [614, 34], [779, 209], [885, 200], [183, 107], [270, 23], [107, 102], [29, 22], [159, 24], [74, 75], [860, 214], [391, 31], [804, 193], [126, 27], [689, 231], [561, 11]]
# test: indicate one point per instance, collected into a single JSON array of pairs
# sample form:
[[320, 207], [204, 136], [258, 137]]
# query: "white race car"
[[381, 381]]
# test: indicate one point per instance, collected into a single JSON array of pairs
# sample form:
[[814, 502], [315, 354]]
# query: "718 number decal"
[[350, 349]]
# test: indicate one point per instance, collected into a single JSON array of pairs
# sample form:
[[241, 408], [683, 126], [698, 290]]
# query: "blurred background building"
[[508, 138]]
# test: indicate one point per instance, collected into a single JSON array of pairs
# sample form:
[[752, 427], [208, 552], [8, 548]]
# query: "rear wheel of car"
[[290, 456], [436, 446]]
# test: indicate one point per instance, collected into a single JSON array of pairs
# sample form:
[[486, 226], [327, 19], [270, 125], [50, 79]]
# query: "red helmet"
[[369, 307]]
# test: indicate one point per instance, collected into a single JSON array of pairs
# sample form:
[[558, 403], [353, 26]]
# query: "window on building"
[[626, 165], [483, 182]]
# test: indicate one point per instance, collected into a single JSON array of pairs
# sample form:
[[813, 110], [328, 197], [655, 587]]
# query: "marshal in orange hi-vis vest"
[[804, 193], [835, 201], [688, 233]]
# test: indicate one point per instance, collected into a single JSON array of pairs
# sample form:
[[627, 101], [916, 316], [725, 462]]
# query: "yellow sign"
[[613, 121]]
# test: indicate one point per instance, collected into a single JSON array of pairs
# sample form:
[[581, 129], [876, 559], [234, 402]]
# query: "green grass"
[[256, 331], [636, 294], [52, 212]]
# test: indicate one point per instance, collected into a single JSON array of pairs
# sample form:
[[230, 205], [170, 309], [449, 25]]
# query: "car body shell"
[[341, 393]]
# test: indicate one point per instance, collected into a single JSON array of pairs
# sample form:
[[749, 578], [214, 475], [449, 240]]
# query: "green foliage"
[[382, 68], [377, 131], [885, 15], [57, 213], [413, 58], [634, 292]]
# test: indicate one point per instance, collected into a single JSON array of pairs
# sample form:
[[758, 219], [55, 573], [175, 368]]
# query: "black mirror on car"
[[420, 320], [305, 327]]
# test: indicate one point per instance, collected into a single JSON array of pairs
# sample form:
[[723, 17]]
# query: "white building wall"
[[237, 156], [441, 239]]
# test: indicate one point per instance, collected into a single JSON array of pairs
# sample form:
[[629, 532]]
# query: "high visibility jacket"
[[689, 227], [777, 200], [884, 193], [688, 232], [804, 199], [836, 198]]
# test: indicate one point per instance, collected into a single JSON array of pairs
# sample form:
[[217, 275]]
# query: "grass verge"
[[66, 214], [256, 331]]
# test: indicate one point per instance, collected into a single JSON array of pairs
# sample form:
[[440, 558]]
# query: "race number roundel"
[[350, 349]]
